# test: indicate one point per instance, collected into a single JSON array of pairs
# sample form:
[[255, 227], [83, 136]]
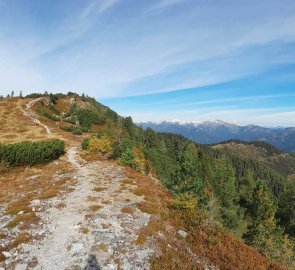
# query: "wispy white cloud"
[[167, 3], [107, 4], [97, 7], [111, 48], [232, 99]]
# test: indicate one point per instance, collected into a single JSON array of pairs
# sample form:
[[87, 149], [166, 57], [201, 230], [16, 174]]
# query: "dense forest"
[[246, 196]]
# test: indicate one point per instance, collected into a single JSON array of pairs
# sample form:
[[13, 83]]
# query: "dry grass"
[[2, 257], [50, 193], [95, 208], [16, 127], [105, 201], [139, 192], [88, 216], [23, 237], [21, 205], [103, 247], [84, 230], [92, 199], [20, 239], [129, 181], [18, 190], [24, 219], [99, 189], [127, 210], [148, 231], [148, 207]]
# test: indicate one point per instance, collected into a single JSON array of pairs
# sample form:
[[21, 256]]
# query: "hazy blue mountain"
[[216, 131]]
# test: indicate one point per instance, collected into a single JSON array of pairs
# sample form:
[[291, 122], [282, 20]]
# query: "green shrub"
[[30, 153], [72, 110], [87, 117], [53, 98], [85, 143], [67, 129], [48, 115], [34, 95], [70, 121], [77, 131], [127, 157]]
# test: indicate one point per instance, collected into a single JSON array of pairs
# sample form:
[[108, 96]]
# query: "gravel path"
[[91, 231], [33, 116]]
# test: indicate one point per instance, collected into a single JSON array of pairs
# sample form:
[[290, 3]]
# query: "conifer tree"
[[190, 170], [264, 234], [128, 125], [286, 212], [224, 187], [247, 189]]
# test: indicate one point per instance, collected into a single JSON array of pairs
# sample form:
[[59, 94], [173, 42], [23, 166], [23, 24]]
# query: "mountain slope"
[[217, 131], [109, 194], [282, 162]]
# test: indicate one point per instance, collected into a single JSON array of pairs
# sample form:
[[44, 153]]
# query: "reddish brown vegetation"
[[209, 241]]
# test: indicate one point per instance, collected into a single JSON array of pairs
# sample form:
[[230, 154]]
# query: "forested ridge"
[[246, 196], [281, 162]]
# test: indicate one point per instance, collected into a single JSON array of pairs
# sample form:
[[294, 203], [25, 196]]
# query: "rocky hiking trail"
[[28, 112], [91, 226], [92, 230]]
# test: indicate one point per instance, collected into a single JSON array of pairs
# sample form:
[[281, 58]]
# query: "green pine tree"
[[190, 171], [286, 211], [246, 191], [264, 234], [224, 187]]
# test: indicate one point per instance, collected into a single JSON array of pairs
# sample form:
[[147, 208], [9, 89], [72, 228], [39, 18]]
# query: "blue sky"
[[191, 60]]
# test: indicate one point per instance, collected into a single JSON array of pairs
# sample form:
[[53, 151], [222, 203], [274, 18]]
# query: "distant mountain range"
[[210, 132]]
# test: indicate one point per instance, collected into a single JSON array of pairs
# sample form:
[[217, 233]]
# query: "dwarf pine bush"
[[30, 153]]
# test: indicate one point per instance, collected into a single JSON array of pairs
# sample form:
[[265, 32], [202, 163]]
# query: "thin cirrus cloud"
[[126, 52], [98, 7]]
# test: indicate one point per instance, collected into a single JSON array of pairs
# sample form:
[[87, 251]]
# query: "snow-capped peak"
[[215, 122]]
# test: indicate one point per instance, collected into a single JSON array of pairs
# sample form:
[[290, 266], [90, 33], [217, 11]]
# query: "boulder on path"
[[183, 234]]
